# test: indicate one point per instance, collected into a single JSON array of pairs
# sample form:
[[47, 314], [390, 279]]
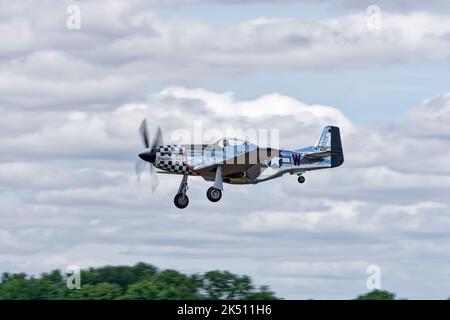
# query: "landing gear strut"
[[181, 200], [214, 193], [301, 179]]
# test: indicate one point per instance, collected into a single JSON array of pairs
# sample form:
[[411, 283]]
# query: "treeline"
[[139, 282], [142, 282]]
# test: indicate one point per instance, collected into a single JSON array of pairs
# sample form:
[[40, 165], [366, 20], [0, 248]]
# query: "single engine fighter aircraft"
[[234, 161]]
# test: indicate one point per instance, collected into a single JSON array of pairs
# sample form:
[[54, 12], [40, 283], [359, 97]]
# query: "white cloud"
[[318, 269], [263, 108], [336, 215], [430, 119], [413, 209], [432, 5], [116, 59], [108, 135]]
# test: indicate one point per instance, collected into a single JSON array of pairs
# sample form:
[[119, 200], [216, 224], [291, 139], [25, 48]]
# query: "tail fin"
[[330, 141], [324, 142]]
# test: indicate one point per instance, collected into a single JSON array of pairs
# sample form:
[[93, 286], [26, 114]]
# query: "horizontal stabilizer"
[[318, 155]]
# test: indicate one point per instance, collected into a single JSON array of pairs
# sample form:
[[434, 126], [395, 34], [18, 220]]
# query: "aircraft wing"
[[167, 172], [238, 163]]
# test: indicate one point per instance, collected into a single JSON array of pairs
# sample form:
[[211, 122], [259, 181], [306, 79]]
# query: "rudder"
[[330, 141], [337, 153]]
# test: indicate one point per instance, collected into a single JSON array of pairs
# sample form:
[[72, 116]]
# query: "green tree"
[[15, 287], [224, 285], [123, 276], [377, 295], [167, 285], [100, 291], [264, 293], [142, 281]]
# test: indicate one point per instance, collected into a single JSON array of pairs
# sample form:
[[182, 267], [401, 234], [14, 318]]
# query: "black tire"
[[301, 179], [214, 194], [181, 201]]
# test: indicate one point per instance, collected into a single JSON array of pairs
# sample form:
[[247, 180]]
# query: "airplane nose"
[[148, 156]]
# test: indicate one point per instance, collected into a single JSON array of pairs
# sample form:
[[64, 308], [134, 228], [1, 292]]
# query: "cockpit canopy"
[[228, 142]]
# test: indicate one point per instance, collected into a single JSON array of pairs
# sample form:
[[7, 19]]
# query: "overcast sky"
[[71, 102]]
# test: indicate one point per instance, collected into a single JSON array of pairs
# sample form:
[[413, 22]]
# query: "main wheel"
[[301, 179], [181, 201], [214, 194]]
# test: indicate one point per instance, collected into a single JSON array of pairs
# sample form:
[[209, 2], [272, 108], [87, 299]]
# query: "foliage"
[[139, 282], [377, 295], [219, 285], [143, 282]]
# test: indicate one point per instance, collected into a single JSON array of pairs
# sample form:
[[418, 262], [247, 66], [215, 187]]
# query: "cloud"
[[433, 5], [429, 119], [318, 269], [335, 213], [107, 135], [116, 59], [263, 109], [413, 209]]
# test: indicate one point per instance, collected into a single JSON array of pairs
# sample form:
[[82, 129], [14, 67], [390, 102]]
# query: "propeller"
[[140, 166], [149, 154], [143, 132]]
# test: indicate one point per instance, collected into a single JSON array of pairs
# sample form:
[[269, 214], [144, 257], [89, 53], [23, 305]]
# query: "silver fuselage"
[[261, 165]]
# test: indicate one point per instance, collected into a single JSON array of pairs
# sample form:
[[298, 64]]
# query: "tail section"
[[324, 142], [330, 143]]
